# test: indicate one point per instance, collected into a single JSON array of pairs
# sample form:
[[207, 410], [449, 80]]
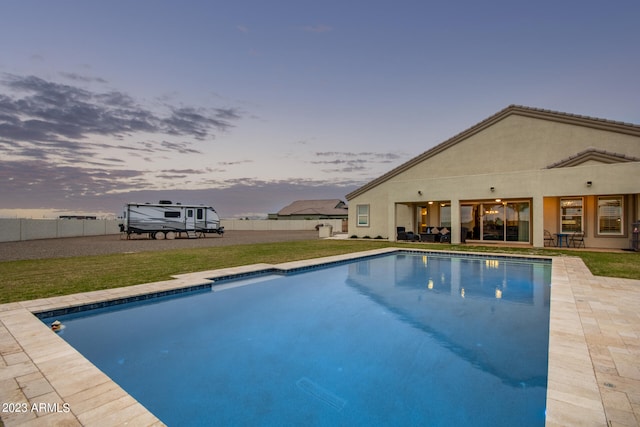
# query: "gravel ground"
[[111, 244]]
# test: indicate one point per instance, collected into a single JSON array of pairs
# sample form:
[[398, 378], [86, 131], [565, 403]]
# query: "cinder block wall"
[[12, 229], [275, 225]]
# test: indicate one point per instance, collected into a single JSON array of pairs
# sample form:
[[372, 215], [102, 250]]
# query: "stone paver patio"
[[595, 327]]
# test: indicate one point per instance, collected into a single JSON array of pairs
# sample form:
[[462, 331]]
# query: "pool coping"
[[54, 383]]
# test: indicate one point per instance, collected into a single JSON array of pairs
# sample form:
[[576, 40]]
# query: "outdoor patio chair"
[[549, 240], [402, 234], [577, 240]]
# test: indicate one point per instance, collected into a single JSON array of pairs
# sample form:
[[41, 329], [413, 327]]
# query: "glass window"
[[199, 214], [445, 216], [571, 215], [363, 215], [169, 214], [518, 222], [493, 222], [610, 215], [469, 220]]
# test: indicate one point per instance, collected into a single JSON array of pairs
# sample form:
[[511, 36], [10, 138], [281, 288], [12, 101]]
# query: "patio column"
[[455, 221], [537, 211], [393, 220]]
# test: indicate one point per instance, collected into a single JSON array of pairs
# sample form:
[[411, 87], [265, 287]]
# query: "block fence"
[[16, 229]]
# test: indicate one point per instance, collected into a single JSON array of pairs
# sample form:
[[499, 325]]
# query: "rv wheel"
[[169, 235], [160, 235]]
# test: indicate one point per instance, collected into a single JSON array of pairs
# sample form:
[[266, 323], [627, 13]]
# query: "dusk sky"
[[250, 105]]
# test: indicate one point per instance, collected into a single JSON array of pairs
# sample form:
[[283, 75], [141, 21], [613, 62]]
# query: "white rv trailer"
[[168, 220]]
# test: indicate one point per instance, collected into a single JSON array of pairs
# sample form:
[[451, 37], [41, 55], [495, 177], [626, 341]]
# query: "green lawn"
[[30, 279]]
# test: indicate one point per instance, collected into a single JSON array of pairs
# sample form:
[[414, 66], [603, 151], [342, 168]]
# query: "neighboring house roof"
[[315, 207], [574, 119]]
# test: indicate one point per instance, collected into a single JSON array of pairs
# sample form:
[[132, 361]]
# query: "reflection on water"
[[492, 312], [509, 280]]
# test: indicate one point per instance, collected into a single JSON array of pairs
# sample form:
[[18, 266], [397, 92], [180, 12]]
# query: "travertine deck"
[[594, 354], [594, 348]]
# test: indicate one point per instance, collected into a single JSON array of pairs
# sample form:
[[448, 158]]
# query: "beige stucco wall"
[[520, 143], [511, 156], [607, 180], [591, 238]]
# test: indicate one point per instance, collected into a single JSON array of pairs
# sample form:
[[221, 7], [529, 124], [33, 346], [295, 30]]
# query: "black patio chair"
[[577, 240], [549, 240], [402, 234]]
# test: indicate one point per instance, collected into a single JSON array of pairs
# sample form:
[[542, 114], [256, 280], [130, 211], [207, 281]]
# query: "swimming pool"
[[402, 339]]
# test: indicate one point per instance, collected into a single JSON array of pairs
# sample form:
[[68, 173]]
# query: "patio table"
[[564, 236]]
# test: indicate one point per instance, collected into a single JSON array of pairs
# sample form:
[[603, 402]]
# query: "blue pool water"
[[404, 339]]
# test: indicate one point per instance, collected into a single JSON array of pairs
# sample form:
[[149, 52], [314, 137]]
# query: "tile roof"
[[602, 156], [315, 207]]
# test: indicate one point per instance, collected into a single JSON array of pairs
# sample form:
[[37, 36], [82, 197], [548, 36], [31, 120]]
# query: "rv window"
[[172, 214], [199, 214], [190, 213]]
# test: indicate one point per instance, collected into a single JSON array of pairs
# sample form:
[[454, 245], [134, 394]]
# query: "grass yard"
[[31, 279]]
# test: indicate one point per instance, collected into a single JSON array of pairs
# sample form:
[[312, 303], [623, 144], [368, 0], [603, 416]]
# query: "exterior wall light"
[[493, 189], [420, 192], [589, 183]]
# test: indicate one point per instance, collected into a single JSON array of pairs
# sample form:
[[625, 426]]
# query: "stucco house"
[[510, 178]]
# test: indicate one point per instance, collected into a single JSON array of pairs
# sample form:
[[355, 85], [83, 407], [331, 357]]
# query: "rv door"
[[190, 220], [200, 219]]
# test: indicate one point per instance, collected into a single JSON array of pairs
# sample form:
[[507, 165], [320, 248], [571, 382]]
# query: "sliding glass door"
[[518, 222], [497, 221], [493, 222]]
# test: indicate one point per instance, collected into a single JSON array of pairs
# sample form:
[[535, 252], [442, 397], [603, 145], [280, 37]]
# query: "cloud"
[[38, 183], [179, 147], [187, 171], [68, 146], [196, 122], [43, 111], [346, 161], [113, 159], [82, 79], [34, 183], [365, 154], [237, 162], [59, 141]]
